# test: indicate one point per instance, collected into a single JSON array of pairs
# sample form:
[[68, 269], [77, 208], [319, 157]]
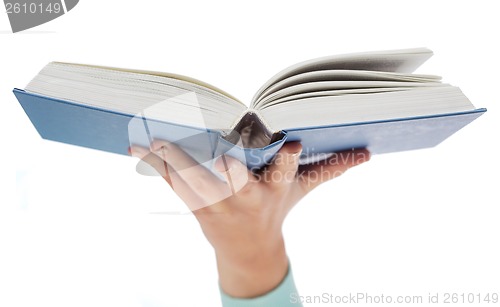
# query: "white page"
[[320, 111], [346, 75], [132, 92], [401, 61], [334, 93], [341, 85]]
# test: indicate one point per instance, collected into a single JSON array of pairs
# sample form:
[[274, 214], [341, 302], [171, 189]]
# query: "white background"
[[77, 228]]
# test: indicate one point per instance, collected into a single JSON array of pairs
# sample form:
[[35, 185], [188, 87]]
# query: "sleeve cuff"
[[285, 294]]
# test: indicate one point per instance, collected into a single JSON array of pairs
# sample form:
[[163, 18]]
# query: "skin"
[[242, 218]]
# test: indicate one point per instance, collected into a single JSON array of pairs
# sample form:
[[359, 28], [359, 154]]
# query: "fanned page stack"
[[329, 104]]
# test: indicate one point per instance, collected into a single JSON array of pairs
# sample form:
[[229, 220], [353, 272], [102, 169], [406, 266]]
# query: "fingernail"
[[297, 154], [158, 145], [222, 165], [363, 156], [136, 151], [161, 151]]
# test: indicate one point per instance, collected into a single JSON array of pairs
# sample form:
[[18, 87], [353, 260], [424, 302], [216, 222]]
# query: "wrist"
[[252, 271]]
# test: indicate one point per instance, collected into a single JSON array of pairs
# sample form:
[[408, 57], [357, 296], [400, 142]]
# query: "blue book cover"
[[110, 131]]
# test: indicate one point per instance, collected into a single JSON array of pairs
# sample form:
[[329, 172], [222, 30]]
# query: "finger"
[[153, 160], [312, 175], [283, 169], [234, 172], [197, 177], [192, 200]]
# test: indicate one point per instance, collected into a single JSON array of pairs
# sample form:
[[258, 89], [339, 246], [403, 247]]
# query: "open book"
[[332, 103]]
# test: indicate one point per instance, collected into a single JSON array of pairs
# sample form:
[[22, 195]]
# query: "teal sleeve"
[[284, 295]]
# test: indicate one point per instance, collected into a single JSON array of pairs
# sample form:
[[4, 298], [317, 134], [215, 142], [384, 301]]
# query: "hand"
[[242, 217]]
